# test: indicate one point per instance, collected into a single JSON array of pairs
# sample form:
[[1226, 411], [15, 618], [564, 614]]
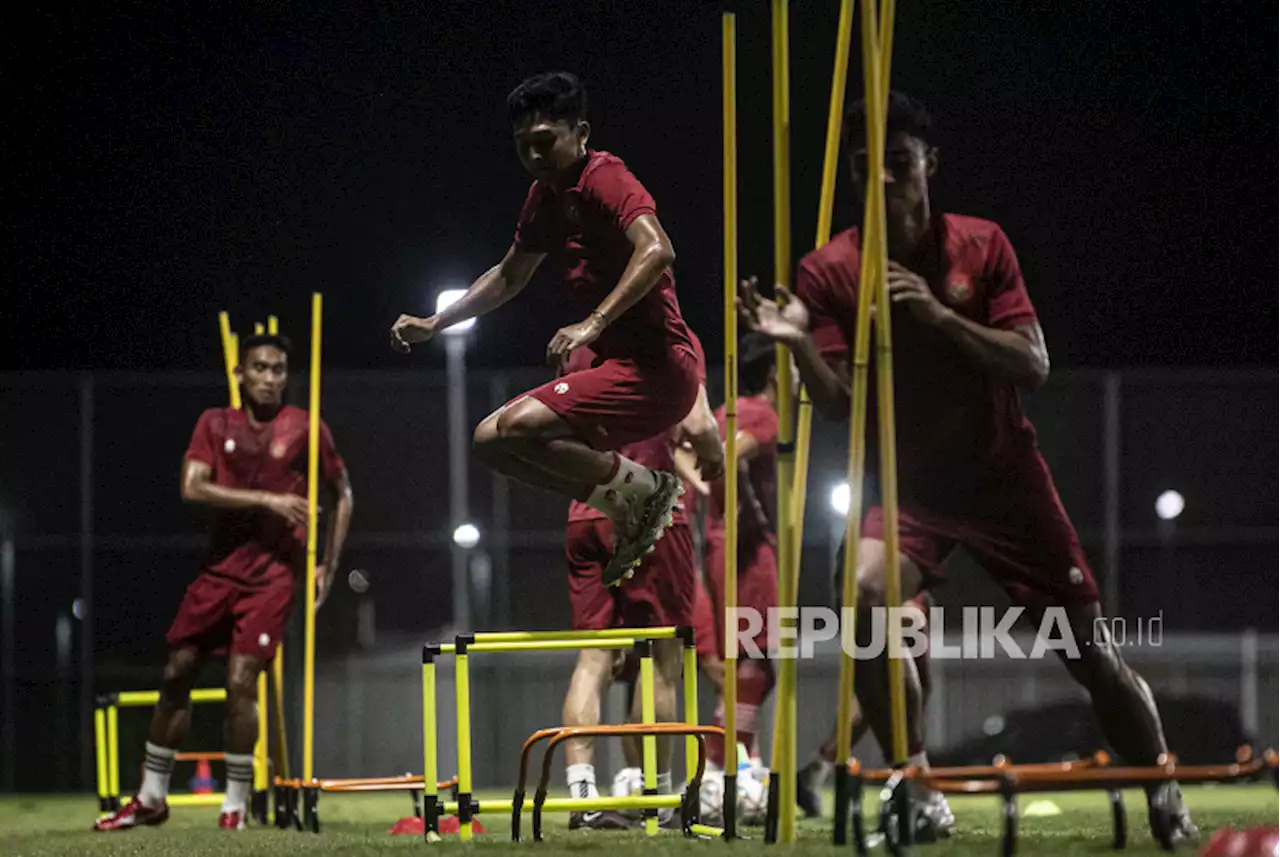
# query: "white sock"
[[155, 775], [582, 781], [920, 760], [664, 783], [239, 781], [625, 782], [631, 482]]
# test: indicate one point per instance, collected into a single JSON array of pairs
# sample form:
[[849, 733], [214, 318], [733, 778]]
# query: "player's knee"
[[519, 422], [242, 680], [179, 676]]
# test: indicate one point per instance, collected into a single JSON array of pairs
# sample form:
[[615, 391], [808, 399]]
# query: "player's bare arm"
[[491, 290], [198, 487], [1019, 354], [700, 431], [651, 254], [336, 538], [788, 323]]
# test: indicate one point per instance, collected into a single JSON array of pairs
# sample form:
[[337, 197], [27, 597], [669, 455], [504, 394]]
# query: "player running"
[[966, 340], [250, 467], [598, 228]]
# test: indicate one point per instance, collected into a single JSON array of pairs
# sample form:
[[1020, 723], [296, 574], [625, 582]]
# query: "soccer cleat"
[[643, 534], [809, 790], [232, 820], [938, 812], [603, 820], [1165, 809], [133, 814]]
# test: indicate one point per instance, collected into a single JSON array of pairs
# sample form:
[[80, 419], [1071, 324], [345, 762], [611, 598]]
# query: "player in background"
[[250, 468], [660, 594], [966, 341], [594, 223]]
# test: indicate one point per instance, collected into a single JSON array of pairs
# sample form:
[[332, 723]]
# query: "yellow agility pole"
[[877, 88], [313, 479], [282, 735], [100, 755], [273, 325], [729, 90], [784, 732], [258, 328], [876, 55], [229, 357]]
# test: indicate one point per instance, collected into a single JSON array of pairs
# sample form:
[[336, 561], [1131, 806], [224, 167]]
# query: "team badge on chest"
[[959, 290], [278, 448], [572, 209]]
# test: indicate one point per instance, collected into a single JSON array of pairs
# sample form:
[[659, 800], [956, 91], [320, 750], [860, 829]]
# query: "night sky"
[[164, 163]]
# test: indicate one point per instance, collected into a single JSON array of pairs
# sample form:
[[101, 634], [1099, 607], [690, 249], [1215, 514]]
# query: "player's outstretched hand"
[[410, 329], [291, 507], [784, 320], [569, 339], [911, 290]]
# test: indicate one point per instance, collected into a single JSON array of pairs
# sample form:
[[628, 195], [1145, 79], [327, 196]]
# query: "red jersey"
[[254, 545], [583, 231], [657, 453], [756, 418], [953, 419]]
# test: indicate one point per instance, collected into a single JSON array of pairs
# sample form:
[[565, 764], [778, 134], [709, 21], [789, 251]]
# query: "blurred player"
[[598, 226], [966, 339], [660, 594], [813, 777], [250, 467], [757, 442]]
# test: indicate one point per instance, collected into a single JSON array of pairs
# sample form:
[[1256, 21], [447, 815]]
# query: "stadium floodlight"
[[466, 536], [447, 298]]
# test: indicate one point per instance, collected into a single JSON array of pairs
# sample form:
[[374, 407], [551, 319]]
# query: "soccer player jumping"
[[965, 340], [250, 467], [597, 226]]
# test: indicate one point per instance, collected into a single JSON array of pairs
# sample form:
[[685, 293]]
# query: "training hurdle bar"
[[689, 804], [464, 806], [288, 791], [1008, 781], [106, 733]]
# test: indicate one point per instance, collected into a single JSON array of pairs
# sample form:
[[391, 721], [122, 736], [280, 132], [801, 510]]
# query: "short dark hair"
[[259, 340], [556, 95], [756, 354], [905, 114]]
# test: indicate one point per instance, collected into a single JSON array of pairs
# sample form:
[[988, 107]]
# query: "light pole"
[[455, 344]]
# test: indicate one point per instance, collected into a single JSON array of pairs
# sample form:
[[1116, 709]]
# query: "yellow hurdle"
[[529, 641]]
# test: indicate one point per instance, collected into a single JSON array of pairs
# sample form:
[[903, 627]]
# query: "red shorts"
[[218, 614], [757, 585], [660, 594], [1019, 532], [617, 402]]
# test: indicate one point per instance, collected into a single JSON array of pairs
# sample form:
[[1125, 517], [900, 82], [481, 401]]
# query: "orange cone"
[[202, 783]]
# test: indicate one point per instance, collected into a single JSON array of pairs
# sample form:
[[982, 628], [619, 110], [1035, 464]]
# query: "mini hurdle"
[[106, 733], [465, 807], [1007, 781]]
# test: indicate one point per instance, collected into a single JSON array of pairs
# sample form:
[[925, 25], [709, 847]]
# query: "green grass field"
[[358, 824]]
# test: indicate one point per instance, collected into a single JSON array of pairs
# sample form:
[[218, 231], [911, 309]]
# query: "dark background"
[[163, 164]]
